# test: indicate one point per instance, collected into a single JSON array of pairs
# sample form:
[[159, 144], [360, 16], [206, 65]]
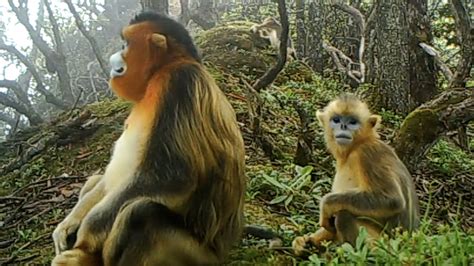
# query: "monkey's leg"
[[93, 231], [347, 228], [315, 239], [89, 185], [148, 233], [71, 223]]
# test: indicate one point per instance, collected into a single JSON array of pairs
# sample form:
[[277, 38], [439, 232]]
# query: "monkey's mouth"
[[116, 72], [343, 139]]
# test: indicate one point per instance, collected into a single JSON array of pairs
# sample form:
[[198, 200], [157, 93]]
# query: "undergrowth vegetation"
[[281, 195]]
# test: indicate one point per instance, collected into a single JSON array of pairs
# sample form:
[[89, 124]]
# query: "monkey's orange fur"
[[177, 169]]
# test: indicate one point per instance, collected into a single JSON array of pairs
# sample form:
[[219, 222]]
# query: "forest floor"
[[42, 170], [37, 192]]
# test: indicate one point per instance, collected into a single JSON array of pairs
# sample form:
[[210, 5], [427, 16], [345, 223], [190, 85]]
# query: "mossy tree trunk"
[[425, 125]]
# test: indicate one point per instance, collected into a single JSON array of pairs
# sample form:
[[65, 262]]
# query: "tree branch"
[[6, 100], [421, 129], [90, 39], [356, 75], [54, 25], [50, 98], [465, 34], [272, 73], [54, 62], [12, 122]]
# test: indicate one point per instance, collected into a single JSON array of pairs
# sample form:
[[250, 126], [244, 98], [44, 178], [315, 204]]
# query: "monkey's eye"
[[353, 121], [124, 45], [336, 119]]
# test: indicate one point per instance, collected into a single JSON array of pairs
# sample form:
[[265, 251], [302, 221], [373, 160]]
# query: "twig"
[[81, 89], [43, 181], [13, 257]]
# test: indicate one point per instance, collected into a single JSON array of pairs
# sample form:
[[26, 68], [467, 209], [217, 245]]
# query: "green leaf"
[[315, 260], [278, 199], [275, 182], [288, 200], [361, 238]]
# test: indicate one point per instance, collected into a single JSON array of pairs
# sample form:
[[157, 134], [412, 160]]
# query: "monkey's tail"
[[260, 232], [264, 233]]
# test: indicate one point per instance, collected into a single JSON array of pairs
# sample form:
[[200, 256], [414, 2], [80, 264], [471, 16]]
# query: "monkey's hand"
[[299, 244], [253, 29], [65, 229], [315, 239]]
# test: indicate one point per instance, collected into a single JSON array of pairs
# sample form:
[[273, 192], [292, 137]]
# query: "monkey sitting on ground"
[[271, 29], [173, 191], [372, 186]]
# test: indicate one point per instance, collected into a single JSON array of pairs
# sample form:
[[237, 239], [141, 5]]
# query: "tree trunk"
[[421, 128], [465, 34], [205, 15], [315, 24], [404, 73], [391, 57], [422, 71], [300, 44], [185, 15], [159, 6]]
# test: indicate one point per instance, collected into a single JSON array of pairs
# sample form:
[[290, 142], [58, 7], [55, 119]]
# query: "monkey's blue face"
[[344, 128]]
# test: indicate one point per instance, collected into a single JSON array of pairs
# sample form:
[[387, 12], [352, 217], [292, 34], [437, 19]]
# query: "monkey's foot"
[[60, 235], [75, 257], [299, 244]]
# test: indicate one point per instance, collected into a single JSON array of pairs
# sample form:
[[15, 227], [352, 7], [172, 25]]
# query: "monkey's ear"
[[320, 115], [374, 121], [159, 40]]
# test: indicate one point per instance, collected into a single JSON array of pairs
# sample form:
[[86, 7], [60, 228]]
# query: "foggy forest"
[[410, 61]]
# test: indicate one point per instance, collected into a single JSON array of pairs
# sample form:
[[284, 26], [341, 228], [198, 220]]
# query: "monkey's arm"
[[71, 223], [362, 203]]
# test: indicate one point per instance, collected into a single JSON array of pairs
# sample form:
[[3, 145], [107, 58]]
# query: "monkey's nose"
[[118, 65], [119, 70]]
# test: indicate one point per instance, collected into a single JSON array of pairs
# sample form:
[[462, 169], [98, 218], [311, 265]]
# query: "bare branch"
[[354, 12], [465, 34], [435, 54], [55, 27], [90, 39], [272, 73], [346, 68], [55, 62], [6, 100], [12, 122], [50, 98], [359, 74]]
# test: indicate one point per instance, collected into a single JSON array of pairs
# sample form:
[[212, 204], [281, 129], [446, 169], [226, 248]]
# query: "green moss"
[[420, 126]]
